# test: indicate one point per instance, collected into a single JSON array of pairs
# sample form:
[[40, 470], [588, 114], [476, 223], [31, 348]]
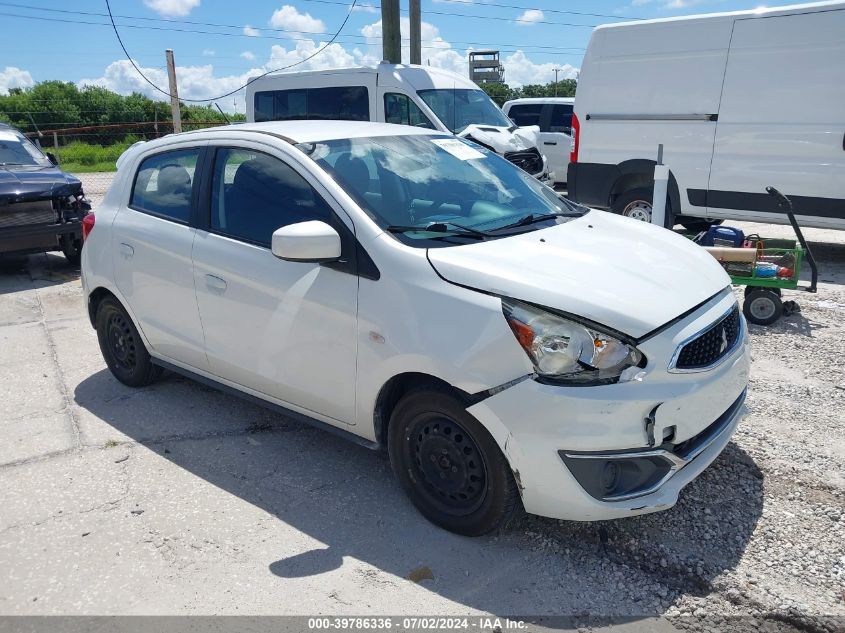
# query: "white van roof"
[[415, 77], [760, 12]]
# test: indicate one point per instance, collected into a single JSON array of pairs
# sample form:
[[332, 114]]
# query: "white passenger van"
[[554, 117], [740, 101], [392, 93]]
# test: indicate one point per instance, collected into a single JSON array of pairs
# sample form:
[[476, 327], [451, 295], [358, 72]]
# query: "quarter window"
[[253, 194], [399, 108], [561, 119], [164, 183], [345, 103]]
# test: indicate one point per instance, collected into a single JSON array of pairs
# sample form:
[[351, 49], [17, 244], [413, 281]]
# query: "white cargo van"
[[739, 101], [554, 117], [393, 93]]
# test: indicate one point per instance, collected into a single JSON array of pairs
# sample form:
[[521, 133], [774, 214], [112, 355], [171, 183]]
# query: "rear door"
[[555, 129], [782, 120], [152, 242]]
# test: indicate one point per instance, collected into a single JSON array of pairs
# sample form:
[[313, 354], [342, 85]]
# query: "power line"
[[238, 27]]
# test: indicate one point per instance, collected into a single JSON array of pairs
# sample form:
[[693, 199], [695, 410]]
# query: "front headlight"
[[567, 352]]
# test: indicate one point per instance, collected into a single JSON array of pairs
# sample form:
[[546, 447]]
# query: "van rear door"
[[782, 120]]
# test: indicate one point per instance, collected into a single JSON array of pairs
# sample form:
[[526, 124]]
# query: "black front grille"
[[527, 159], [712, 344]]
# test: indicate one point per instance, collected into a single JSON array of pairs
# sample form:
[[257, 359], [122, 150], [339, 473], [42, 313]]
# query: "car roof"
[[313, 131], [541, 100]]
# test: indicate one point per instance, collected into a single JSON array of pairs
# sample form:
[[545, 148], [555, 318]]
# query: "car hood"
[[503, 139], [621, 273], [25, 183]]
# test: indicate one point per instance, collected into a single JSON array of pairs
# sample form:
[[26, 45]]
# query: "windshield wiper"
[[533, 219], [440, 227]]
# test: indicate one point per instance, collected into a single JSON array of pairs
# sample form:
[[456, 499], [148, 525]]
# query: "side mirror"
[[52, 158], [312, 241]]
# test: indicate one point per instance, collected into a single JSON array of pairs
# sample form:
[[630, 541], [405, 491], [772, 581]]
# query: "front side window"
[[164, 183], [344, 103], [399, 108], [253, 194], [443, 181], [525, 114], [458, 108], [561, 119]]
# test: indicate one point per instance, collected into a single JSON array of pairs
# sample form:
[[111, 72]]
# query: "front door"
[[284, 329]]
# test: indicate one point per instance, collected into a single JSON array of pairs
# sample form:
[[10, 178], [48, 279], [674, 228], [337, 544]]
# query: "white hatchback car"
[[416, 291]]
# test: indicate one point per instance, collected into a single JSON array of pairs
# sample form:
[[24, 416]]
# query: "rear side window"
[[164, 183], [561, 119], [524, 114], [345, 103], [399, 108], [253, 194]]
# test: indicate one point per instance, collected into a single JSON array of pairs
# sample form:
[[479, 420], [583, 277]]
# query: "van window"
[[524, 114], [164, 183], [253, 194], [345, 103], [458, 108], [561, 120], [399, 108]]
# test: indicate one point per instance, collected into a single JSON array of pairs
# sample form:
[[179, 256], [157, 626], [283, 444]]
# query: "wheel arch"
[[637, 173], [400, 385], [95, 298]]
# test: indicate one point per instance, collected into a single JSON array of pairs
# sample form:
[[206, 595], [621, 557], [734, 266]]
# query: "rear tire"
[[449, 465], [122, 348], [636, 204]]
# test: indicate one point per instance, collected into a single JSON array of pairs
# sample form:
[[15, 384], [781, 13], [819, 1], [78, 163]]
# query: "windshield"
[[450, 188], [16, 149], [459, 108]]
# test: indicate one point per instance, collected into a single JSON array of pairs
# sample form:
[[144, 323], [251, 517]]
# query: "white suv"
[[418, 292]]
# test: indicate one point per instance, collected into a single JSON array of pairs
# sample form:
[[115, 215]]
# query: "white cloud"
[[13, 77], [172, 8], [436, 51], [520, 70], [248, 55], [251, 32], [530, 16], [363, 8], [289, 18], [207, 52]]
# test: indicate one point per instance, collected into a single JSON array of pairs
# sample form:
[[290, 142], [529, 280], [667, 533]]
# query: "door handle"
[[215, 283], [549, 142], [127, 249]]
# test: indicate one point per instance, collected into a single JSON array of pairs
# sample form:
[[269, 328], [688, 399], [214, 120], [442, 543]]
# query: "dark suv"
[[41, 207]]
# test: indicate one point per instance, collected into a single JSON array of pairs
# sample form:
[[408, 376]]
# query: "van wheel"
[[122, 347], [636, 204], [449, 465], [762, 306]]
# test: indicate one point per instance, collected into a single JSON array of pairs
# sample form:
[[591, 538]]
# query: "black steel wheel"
[[762, 306], [122, 347], [449, 465]]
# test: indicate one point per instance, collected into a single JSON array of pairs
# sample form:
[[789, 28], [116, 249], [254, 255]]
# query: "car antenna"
[[223, 113]]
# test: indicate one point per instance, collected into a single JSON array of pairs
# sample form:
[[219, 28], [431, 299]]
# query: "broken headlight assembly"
[[566, 352]]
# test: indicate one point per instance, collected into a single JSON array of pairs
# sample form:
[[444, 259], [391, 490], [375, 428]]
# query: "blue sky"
[[218, 44]]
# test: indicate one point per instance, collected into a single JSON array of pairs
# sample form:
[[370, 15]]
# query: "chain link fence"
[[95, 185]]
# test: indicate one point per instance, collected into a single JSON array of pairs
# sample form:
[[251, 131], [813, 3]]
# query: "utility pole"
[[557, 70], [174, 95], [390, 36], [416, 35]]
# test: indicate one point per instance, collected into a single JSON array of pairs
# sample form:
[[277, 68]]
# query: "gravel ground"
[[178, 499]]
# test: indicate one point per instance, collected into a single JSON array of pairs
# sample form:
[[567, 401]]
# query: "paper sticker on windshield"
[[457, 148]]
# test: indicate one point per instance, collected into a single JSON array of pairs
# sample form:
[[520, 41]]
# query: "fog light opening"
[[610, 477]]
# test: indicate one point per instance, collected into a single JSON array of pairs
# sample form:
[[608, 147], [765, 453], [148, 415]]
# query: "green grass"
[[78, 157]]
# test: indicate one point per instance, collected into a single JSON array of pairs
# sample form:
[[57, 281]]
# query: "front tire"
[[449, 465], [122, 348], [72, 249]]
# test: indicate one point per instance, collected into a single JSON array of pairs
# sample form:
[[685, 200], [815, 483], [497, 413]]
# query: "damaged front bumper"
[[590, 453]]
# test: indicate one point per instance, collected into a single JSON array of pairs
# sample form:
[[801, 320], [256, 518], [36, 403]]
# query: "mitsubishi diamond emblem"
[[724, 345]]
